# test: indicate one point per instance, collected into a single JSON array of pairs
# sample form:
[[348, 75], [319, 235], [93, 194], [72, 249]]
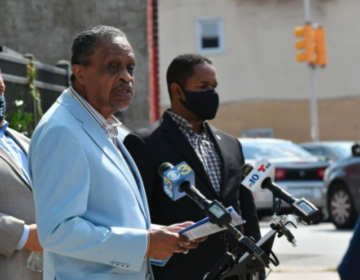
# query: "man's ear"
[[78, 71], [176, 91]]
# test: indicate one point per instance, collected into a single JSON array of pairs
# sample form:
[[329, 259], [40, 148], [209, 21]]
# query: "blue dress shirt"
[[14, 150]]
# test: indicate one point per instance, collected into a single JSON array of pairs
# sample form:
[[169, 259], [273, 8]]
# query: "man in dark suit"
[[183, 134], [349, 267]]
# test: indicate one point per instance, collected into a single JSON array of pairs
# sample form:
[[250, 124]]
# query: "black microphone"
[[218, 214], [164, 167], [302, 208], [268, 184], [194, 194]]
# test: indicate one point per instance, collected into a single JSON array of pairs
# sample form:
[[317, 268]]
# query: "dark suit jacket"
[[349, 268], [162, 141]]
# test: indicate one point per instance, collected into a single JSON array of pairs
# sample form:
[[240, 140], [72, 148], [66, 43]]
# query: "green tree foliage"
[[19, 120]]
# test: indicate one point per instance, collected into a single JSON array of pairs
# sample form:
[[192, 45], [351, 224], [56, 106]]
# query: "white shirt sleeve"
[[24, 238]]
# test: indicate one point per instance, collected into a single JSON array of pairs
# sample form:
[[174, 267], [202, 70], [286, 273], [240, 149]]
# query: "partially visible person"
[[18, 231], [349, 268], [91, 207], [184, 134]]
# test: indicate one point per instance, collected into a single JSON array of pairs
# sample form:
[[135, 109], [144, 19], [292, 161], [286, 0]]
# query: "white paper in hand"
[[205, 227]]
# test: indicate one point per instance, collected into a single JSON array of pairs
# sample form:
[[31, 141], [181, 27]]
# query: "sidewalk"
[[319, 251], [304, 276]]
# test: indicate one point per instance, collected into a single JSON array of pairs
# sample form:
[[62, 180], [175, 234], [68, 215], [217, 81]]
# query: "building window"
[[210, 35]]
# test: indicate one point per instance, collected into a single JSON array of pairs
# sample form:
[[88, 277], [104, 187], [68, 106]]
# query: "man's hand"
[[164, 244], [181, 226], [33, 243], [166, 241]]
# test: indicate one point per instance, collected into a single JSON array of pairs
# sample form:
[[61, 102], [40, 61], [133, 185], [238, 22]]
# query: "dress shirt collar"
[[3, 129], [107, 125], [183, 123]]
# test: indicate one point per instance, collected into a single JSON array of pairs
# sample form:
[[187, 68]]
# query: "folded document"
[[203, 228]]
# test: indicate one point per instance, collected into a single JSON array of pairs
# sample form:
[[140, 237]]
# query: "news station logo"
[[173, 175], [256, 177], [168, 186]]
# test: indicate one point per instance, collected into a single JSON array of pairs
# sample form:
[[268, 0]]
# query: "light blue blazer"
[[91, 208]]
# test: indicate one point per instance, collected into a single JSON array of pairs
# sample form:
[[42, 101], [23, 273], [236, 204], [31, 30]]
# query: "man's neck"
[[197, 124], [81, 91]]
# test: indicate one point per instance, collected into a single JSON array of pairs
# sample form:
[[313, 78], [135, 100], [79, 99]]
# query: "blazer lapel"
[[223, 154], [136, 175], [100, 138], [8, 133], [8, 158], [177, 138], [102, 141]]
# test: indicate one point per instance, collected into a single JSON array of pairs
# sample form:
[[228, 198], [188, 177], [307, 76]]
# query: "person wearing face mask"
[[183, 134], [18, 231]]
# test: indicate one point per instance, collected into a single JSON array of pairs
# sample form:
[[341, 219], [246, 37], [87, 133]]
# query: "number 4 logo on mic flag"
[[262, 170]]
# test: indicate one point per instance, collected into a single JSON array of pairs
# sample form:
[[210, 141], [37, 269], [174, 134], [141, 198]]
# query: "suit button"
[[148, 276], [221, 236]]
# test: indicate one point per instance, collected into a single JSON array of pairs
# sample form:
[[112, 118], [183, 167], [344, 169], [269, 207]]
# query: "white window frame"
[[218, 50]]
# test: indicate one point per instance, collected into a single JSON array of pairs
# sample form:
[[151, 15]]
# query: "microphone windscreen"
[[164, 167], [246, 169]]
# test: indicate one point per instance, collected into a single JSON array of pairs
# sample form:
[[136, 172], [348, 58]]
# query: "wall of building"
[[46, 29], [258, 68], [338, 118]]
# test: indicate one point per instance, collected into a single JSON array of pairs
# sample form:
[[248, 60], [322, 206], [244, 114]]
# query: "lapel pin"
[[218, 137]]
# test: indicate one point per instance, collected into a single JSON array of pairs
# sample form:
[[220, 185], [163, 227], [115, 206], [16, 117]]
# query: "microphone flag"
[[262, 170], [174, 176]]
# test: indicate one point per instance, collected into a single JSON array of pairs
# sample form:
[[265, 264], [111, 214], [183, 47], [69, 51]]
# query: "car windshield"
[[343, 150], [258, 150]]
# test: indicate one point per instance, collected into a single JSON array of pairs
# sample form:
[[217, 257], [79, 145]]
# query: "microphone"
[[173, 176], [177, 185], [261, 176], [179, 181]]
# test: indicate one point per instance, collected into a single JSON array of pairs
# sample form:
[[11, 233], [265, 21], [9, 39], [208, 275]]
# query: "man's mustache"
[[124, 85]]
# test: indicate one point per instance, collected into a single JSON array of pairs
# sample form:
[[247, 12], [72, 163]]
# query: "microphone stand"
[[240, 262]]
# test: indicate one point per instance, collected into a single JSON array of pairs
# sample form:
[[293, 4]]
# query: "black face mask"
[[2, 108], [203, 104]]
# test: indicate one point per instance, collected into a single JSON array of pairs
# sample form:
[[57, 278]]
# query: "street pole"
[[314, 126]]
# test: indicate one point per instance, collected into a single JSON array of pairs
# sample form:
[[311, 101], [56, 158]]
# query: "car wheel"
[[341, 209]]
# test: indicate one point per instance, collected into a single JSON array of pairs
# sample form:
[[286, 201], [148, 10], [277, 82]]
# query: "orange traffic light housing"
[[307, 44], [320, 46]]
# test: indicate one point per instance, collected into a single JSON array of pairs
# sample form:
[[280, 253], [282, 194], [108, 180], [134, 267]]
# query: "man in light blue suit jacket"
[[91, 209]]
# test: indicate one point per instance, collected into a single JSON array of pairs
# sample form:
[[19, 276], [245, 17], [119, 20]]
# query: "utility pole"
[[314, 124], [314, 53]]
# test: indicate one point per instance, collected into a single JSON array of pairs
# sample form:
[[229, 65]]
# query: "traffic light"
[[307, 44], [320, 46]]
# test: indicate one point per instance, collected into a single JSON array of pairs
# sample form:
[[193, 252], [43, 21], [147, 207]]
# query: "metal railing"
[[50, 81]]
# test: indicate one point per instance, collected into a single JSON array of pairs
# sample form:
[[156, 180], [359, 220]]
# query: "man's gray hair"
[[85, 43]]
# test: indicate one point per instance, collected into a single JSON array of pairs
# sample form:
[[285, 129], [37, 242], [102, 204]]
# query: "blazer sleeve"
[[144, 162], [248, 208], [349, 267], [59, 169], [11, 231]]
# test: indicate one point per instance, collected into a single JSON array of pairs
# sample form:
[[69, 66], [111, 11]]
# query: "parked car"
[[297, 171], [331, 150], [342, 180]]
